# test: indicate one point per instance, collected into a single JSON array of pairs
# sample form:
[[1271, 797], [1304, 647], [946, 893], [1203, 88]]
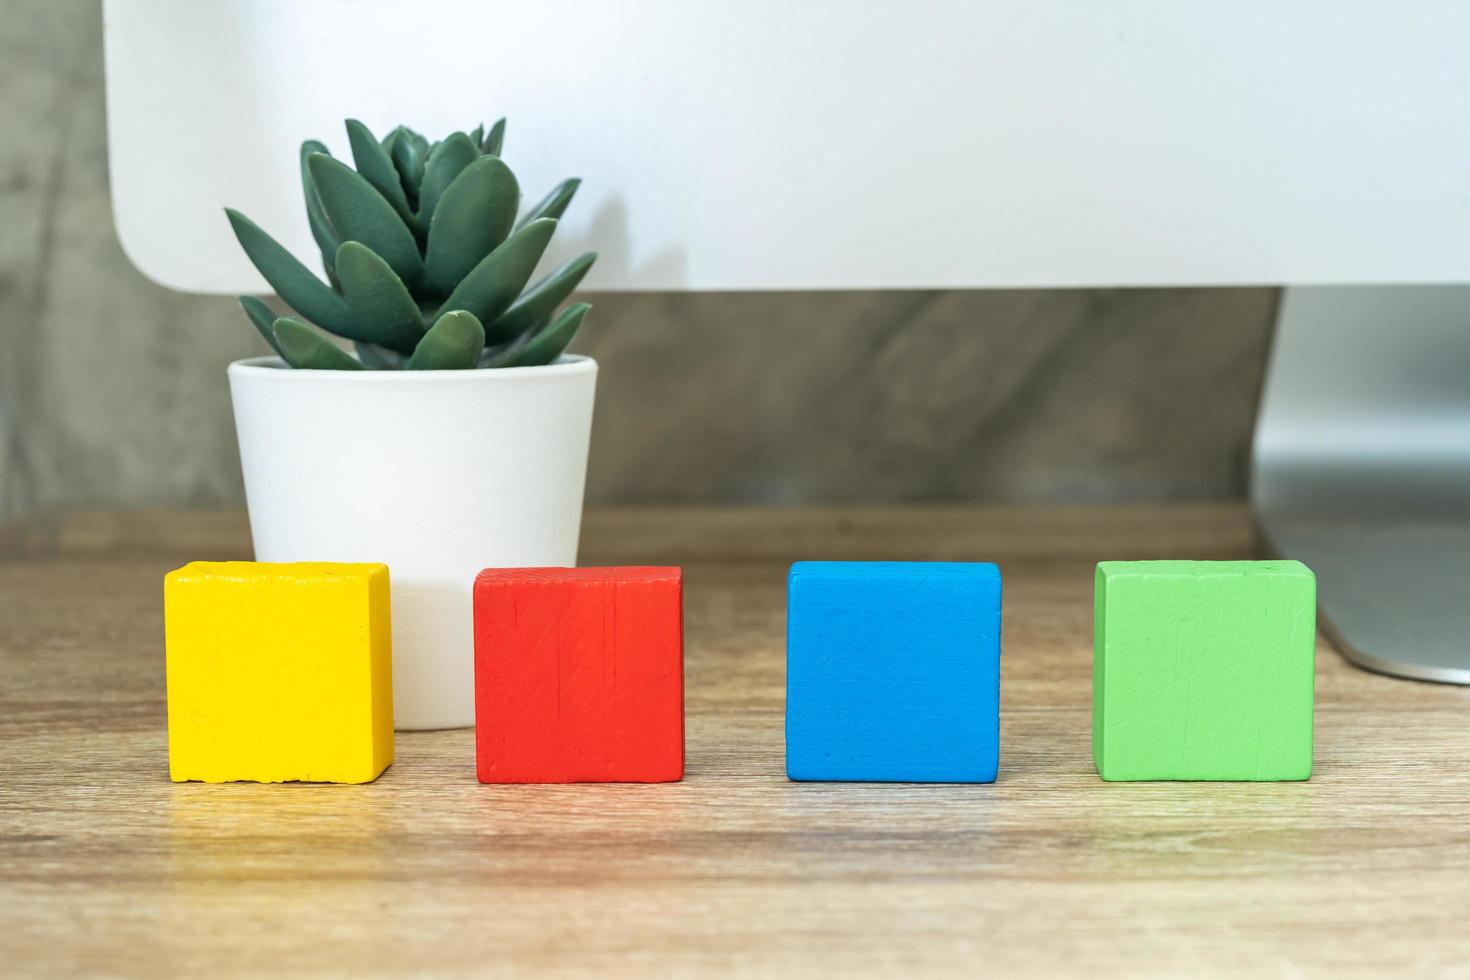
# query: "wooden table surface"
[[107, 867]]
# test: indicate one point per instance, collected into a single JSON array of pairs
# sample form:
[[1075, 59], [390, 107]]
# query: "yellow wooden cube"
[[278, 672]]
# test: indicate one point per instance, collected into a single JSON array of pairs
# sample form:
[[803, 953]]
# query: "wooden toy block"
[[1203, 670], [278, 672], [579, 675], [893, 671]]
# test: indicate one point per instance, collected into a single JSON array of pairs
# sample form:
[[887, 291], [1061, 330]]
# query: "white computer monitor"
[[769, 144]]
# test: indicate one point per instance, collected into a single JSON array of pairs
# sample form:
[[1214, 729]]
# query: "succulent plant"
[[426, 259]]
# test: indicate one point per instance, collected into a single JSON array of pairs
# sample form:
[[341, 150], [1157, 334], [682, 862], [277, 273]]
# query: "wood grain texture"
[[107, 867]]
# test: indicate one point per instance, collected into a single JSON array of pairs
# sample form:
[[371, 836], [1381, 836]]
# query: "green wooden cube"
[[1203, 670]]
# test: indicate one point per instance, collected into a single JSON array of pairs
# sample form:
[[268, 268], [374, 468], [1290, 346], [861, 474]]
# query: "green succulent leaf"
[[377, 358], [383, 310], [321, 228], [407, 161], [377, 167], [477, 135], [453, 343], [303, 347], [476, 215], [545, 345], [359, 213], [264, 319], [493, 285], [554, 204], [540, 301], [291, 280], [495, 139], [445, 165], [404, 133]]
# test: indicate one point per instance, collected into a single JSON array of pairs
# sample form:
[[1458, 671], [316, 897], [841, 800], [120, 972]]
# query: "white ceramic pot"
[[437, 473]]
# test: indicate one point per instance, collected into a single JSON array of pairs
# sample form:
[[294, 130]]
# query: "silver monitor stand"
[[1362, 469]]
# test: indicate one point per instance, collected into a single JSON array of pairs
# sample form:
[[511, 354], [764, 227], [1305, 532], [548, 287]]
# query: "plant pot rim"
[[271, 366]]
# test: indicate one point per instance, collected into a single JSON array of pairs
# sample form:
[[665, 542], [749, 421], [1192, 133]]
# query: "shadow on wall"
[[607, 234]]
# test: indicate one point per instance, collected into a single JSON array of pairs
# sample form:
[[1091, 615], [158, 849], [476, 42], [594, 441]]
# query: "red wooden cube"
[[579, 675]]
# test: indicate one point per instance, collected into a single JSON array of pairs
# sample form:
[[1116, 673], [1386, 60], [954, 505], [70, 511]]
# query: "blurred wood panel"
[[107, 867]]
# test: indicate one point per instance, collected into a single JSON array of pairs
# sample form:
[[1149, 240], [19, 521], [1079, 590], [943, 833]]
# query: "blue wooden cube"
[[893, 671]]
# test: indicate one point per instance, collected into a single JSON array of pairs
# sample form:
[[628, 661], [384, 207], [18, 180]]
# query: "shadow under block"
[[278, 672], [579, 675], [1203, 670], [893, 672]]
